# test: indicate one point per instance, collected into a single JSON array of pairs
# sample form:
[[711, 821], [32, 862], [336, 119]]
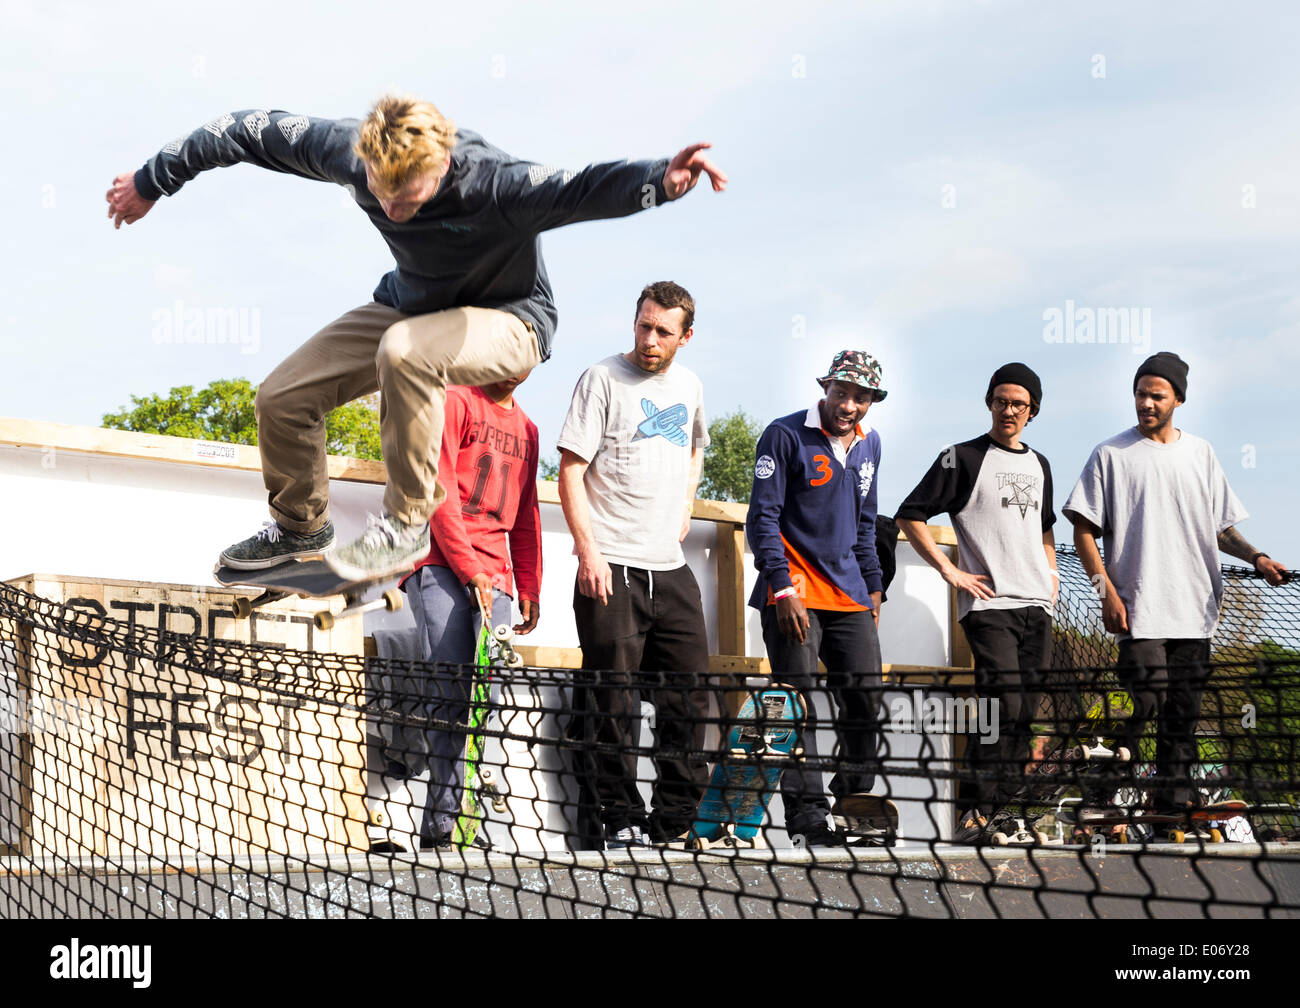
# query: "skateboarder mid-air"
[[468, 302]]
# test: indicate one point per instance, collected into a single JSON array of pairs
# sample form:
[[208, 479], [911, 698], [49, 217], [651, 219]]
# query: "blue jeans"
[[447, 617]]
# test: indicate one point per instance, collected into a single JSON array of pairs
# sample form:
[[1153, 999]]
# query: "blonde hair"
[[402, 138]]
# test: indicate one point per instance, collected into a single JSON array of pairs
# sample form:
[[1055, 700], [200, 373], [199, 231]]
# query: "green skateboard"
[[480, 784]]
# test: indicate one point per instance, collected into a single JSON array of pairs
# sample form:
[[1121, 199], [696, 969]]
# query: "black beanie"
[[1016, 374], [1168, 366]]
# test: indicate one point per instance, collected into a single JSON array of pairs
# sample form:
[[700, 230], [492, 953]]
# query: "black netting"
[[148, 773]]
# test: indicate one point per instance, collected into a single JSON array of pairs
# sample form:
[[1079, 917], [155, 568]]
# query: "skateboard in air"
[[763, 738], [307, 579], [866, 820], [495, 648]]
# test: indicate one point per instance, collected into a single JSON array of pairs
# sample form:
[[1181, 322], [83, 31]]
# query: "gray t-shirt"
[[637, 431], [1160, 508]]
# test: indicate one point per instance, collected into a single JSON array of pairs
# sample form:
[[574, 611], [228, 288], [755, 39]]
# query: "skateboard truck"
[[306, 579], [490, 789], [390, 600]]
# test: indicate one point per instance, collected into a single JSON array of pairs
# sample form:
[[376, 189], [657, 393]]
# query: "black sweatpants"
[[649, 640], [1013, 652], [1166, 679]]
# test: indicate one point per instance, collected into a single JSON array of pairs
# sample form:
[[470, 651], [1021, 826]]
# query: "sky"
[[940, 184]]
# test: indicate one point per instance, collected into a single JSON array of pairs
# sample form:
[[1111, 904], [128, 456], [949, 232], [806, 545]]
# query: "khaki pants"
[[410, 359]]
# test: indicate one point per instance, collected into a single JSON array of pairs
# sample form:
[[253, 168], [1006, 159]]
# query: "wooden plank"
[[162, 448], [740, 666], [943, 535], [961, 655], [729, 557]]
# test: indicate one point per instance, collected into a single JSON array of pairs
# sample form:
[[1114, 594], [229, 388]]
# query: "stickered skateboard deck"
[[307, 579], [763, 737], [480, 783]]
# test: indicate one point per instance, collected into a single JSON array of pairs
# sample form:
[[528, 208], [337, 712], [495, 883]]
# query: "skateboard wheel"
[[1041, 837], [1122, 753], [1000, 839], [243, 608], [1121, 834], [499, 805], [324, 620], [392, 600], [1216, 835], [502, 632], [1083, 753], [1177, 835], [514, 660], [376, 817]]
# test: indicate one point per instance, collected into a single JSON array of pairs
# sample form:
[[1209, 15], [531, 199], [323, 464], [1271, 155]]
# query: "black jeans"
[[1013, 651], [650, 638], [1166, 678], [847, 644]]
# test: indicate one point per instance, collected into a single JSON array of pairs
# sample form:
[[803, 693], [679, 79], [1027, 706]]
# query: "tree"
[[548, 468], [224, 412], [728, 473]]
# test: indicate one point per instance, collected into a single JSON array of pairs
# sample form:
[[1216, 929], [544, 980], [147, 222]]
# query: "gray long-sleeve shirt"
[[475, 244]]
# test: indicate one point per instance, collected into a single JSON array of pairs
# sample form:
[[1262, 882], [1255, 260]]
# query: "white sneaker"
[[628, 836]]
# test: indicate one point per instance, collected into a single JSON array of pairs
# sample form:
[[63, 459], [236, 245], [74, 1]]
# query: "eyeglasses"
[[1017, 408]]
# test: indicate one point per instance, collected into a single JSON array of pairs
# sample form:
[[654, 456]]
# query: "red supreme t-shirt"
[[489, 470]]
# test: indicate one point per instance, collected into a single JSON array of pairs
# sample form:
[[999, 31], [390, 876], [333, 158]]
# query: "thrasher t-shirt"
[[1000, 502]]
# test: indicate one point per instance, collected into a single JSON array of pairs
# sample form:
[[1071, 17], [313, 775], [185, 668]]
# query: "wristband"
[[1255, 559], [784, 592]]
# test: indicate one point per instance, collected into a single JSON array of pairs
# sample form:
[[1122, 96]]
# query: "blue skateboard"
[[763, 737]]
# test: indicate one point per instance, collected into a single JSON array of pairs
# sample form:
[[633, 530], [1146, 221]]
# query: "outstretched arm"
[[1234, 544], [318, 149], [537, 198]]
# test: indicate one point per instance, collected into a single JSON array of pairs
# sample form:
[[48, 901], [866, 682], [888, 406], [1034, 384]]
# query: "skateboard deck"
[[307, 579], [495, 647], [763, 735], [1180, 825], [866, 820]]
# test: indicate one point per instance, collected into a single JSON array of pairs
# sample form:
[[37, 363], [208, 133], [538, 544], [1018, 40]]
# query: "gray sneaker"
[[275, 544], [388, 547]]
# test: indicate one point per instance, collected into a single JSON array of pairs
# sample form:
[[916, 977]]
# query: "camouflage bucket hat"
[[856, 368]]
